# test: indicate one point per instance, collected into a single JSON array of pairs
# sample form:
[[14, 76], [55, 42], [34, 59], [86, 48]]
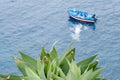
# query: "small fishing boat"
[[82, 16]]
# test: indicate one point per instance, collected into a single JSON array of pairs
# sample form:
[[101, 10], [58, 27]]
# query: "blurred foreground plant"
[[50, 66]]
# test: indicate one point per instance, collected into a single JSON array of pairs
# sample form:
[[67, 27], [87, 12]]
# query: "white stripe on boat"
[[81, 19]]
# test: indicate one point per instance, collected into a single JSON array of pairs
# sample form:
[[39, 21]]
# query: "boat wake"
[[76, 30]]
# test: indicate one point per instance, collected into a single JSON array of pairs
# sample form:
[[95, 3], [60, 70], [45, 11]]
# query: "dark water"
[[29, 24]]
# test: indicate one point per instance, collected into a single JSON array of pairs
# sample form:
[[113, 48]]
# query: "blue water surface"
[[27, 25]]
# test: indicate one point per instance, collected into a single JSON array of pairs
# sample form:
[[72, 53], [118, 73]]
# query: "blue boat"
[[82, 16]]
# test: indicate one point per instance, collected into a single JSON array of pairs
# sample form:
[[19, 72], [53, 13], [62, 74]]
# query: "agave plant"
[[49, 66]]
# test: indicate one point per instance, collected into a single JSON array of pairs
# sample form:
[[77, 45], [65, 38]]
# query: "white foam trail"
[[76, 32]]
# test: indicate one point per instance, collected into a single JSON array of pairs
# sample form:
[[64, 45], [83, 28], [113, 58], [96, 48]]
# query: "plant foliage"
[[50, 66]]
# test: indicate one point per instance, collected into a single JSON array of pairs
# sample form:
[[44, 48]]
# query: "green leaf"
[[93, 65], [40, 69], [30, 78], [11, 77], [21, 65], [58, 78], [27, 58], [30, 73], [74, 69], [64, 66], [85, 63], [61, 73], [67, 50], [53, 54], [47, 61], [86, 75], [95, 74], [29, 61], [51, 69], [71, 76], [49, 72], [70, 55], [43, 53]]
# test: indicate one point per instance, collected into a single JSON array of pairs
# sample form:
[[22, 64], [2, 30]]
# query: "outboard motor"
[[93, 16]]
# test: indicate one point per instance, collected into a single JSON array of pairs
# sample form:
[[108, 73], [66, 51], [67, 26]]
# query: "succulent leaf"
[[85, 63], [21, 65], [10, 77], [30, 73], [43, 53], [40, 69], [53, 54]]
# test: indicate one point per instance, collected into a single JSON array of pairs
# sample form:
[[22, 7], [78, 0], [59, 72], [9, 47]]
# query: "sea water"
[[26, 25]]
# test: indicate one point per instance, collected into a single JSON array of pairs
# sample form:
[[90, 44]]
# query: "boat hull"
[[80, 19]]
